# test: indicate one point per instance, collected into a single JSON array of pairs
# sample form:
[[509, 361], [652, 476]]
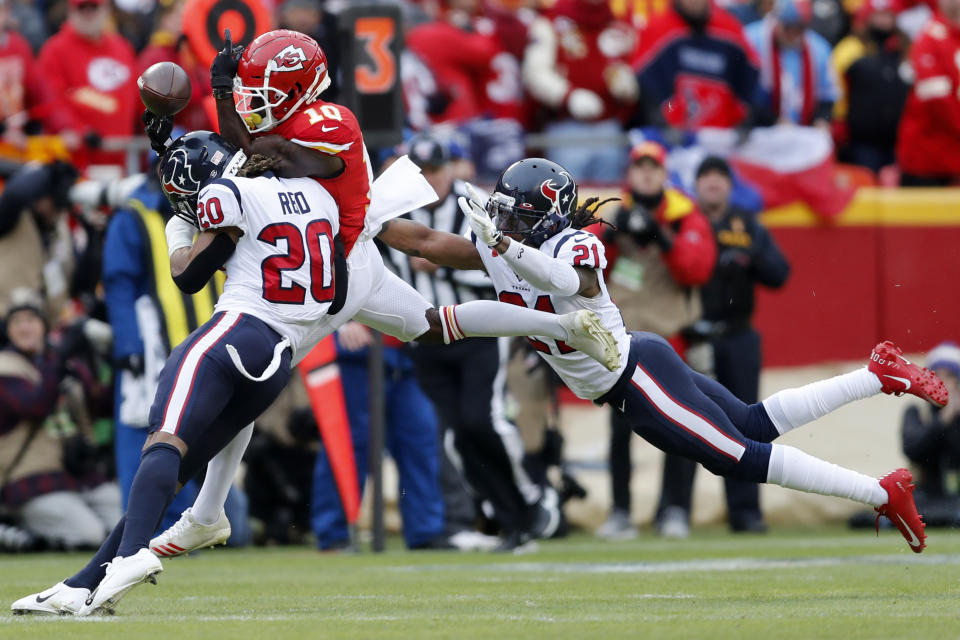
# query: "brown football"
[[164, 88]]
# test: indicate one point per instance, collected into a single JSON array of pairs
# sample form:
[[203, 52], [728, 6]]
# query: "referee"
[[466, 380]]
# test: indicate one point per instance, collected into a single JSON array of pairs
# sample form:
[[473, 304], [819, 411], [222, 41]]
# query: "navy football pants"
[[203, 398], [686, 413]]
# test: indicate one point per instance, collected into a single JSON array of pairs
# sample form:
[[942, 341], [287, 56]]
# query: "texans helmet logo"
[[289, 59], [553, 192], [177, 177]]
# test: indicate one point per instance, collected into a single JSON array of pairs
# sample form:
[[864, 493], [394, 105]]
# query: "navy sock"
[[151, 492], [91, 575]]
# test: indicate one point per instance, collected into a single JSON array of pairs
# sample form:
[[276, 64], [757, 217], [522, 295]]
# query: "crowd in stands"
[[873, 74], [580, 81]]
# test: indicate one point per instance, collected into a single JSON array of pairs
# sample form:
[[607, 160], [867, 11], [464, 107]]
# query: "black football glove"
[[158, 129], [224, 68]]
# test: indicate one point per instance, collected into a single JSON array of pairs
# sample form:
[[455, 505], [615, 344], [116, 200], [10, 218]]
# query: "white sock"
[[221, 470], [794, 469], [486, 318], [792, 408]]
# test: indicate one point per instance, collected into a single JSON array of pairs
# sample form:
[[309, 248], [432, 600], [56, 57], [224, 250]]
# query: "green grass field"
[[818, 583]]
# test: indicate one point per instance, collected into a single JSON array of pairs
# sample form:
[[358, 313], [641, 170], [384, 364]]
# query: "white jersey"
[[585, 376], [282, 269]]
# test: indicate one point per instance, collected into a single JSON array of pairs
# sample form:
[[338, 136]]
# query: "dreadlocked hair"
[[586, 213], [257, 165]]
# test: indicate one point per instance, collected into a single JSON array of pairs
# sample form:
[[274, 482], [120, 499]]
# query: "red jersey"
[[460, 60], [22, 87], [97, 79], [502, 94], [928, 141], [333, 129], [590, 44]]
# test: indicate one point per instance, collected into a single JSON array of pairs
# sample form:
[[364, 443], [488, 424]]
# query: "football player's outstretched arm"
[[439, 247], [192, 265], [296, 161]]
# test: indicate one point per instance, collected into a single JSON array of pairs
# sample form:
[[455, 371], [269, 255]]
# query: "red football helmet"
[[280, 71]]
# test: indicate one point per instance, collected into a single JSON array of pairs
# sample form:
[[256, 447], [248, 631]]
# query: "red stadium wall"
[[888, 267]]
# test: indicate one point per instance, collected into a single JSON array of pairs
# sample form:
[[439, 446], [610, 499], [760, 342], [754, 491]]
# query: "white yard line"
[[716, 564]]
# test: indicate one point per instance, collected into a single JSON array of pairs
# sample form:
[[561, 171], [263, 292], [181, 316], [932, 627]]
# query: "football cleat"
[[57, 600], [186, 535], [585, 333], [901, 510], [122, 575], [898, 375]]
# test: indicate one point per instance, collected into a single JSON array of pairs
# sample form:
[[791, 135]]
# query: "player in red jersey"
[[280, 77]]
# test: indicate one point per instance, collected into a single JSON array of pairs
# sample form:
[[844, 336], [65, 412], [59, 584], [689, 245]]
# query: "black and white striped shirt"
[[444, 286]]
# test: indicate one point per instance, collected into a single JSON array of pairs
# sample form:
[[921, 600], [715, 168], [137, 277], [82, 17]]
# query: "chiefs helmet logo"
[[177, 177], [552, 191], [289, 59]]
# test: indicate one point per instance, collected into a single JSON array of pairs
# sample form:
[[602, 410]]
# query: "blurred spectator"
[[639, 13], [93, 70], [36, 248], [309, 17], [25, 99], [27, 20], [506, 24], [829, 19], [661, 250], [458, 56], [695, 68], [797, 83], [750, 11], [279, 468], [576, 66], [423, 97], [931, 441], [928, 141], [149, 317], [168, 43], [747, 256], [870, 65], [465, 381], [411, 438], [53, 488]]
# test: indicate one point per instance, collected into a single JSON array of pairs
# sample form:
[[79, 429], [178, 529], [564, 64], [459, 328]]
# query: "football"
[[164, 88]]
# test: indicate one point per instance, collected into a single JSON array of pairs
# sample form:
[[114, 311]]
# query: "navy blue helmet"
[[191, 162], [534, 199]]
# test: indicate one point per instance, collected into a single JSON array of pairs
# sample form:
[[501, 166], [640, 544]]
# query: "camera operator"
[[49, 480], [36, 249]]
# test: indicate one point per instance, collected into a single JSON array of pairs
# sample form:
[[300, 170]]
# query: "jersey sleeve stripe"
[[326, 147], [232, 187]]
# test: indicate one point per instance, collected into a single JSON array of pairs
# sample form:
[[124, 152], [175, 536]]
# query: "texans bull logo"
[[177, 177], [553, 192], [289, 59]]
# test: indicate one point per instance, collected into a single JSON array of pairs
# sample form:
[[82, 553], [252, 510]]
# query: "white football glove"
[[478, 217]]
